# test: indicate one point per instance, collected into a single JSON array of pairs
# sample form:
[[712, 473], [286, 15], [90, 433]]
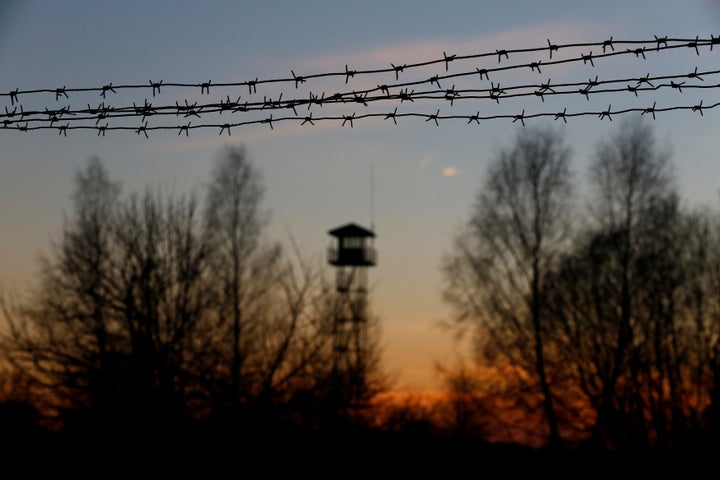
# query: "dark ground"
[[348, 455]]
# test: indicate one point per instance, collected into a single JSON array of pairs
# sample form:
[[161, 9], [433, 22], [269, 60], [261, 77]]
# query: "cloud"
[[408, 52], [421, 50], [450, 171]]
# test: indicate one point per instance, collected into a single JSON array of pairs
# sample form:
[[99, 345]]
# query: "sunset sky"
[[424, 176]]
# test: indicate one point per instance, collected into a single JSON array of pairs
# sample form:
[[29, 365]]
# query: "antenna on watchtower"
[[372, 197]]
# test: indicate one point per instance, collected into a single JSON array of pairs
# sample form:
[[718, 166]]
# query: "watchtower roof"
[[351, 230]]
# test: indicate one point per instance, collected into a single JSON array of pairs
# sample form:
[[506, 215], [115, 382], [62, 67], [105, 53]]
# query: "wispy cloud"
[[424, 50], [408, 52], [450, 171]]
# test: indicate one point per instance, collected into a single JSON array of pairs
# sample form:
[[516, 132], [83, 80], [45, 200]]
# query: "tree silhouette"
[[496, 272], [246, 269], [633, 185], [61, 339]]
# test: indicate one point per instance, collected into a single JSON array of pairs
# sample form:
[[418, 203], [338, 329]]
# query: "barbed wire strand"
[[349, 120]]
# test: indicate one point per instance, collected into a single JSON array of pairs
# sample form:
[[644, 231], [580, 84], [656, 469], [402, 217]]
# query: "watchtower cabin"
[[354, 246], [351, 253]]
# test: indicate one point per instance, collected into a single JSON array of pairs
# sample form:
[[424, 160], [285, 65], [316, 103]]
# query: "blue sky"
[[425, 176]]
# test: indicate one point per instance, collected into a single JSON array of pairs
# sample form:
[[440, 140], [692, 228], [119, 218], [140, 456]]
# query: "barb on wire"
[[608, 43], [269, 121], [714, 41], [645, 79], [545, 87], [107, 88], [348, 118], [349, 74], [698, 108], [694, 74], [502, 53], [639, 52], [586, 92], [451, 94], [298, 79], [694, 45], [663, 41], [404, 95], [155, 87], [228, 105], [143, 130], [483, 71], [650, 110], [606, 113], [186, 129], [61, 92], [448, 59], [552, 48], [495, 92]]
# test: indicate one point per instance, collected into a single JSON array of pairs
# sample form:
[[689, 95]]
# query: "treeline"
[[162, 314], [595, 317]]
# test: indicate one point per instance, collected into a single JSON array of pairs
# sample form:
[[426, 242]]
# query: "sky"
[[415, 182]]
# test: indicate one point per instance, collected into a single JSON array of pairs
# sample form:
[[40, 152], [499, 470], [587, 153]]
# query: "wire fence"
[[234, 111]]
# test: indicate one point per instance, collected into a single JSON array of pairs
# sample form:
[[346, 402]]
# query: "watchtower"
[[351, 253]]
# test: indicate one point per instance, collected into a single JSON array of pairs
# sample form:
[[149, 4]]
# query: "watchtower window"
[[352, 242]]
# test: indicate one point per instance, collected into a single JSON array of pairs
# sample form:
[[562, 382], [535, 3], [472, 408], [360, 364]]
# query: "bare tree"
[[245, 263], [632, 181], [61, 337], [162, 301], [111, 331], [496, 272]]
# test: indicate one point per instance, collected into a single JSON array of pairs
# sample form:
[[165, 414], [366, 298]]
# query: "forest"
[[174, 320]]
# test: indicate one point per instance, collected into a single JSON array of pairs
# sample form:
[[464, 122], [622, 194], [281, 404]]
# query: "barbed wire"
[[350, 119], [495, 93], [15, 117]]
